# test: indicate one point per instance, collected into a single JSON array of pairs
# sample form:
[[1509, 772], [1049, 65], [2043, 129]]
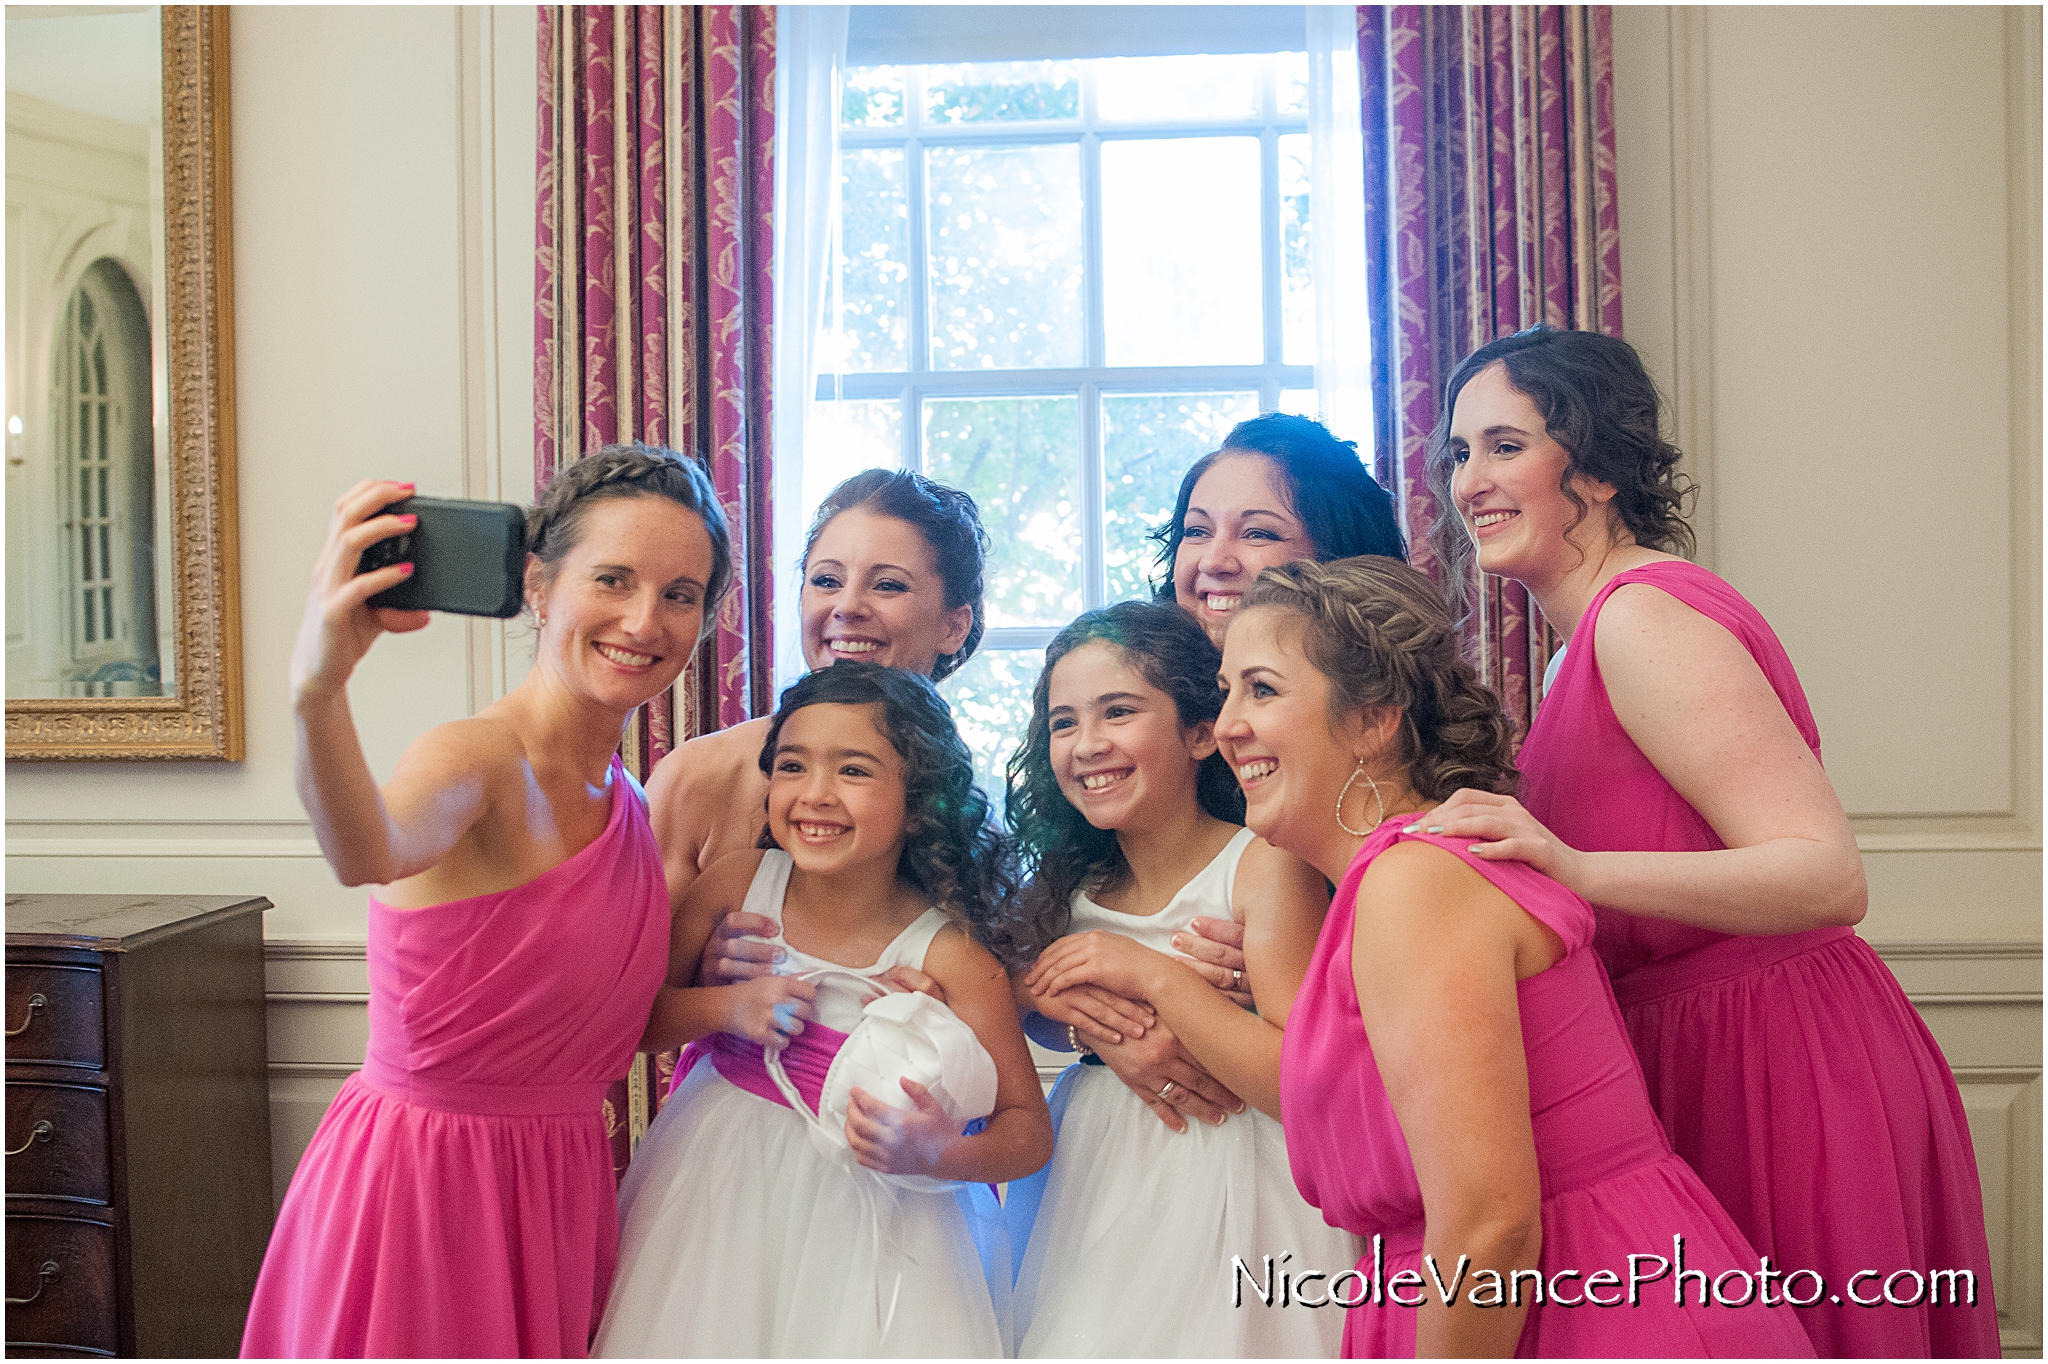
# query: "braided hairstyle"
[[1601, 405], [947, 519], [555, 525], [954, 853], [1379, 632], [1061, 850]]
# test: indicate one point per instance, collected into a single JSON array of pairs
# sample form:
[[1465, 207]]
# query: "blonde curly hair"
[[1381, 634]]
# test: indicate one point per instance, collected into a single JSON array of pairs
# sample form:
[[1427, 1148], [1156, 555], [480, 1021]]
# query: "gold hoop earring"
[[1379, 803]]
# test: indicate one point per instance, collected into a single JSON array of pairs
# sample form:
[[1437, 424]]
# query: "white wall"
[[383, 177], [1830, 237], [383, 240]]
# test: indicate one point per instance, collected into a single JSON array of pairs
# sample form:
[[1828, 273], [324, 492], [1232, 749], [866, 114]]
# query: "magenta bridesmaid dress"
[[1612, 1188], [1791, 1072], [1610, 1184], [458, 1198]]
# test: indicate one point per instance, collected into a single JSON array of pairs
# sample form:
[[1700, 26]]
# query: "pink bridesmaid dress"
[[1611, 1186], [458, 1197], [1791, 1072]]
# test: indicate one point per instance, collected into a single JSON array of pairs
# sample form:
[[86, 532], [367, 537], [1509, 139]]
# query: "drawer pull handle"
[[42, 1131], [44, 1278], [35, 1005]]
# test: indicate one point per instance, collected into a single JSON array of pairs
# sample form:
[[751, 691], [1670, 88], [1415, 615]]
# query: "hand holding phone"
[[469, 558], [339, 627]]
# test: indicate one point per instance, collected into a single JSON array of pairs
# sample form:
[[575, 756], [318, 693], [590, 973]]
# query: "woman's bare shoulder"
[[712, 758], [483, 750], [711, 765]]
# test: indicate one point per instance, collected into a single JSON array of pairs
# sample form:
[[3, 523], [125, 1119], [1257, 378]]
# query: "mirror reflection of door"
[[105, 451], [90, 585]]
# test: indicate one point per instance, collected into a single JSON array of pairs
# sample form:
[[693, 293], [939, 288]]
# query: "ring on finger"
[[1165, 1090], [1235, 977]]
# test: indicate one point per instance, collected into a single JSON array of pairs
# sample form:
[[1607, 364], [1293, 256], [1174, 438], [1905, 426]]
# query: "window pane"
[[1006, 92], [1020, 459], [1158, 89], [843, 438], [1297, 283], [1290, 72], [873, 97], [1301, 402], [1180, 251], [1148, 442], [991, 700], [1005, 256], [873, 298]]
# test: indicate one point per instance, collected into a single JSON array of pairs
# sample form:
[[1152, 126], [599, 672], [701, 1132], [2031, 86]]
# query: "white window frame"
[[1094, 378], [820, 42]]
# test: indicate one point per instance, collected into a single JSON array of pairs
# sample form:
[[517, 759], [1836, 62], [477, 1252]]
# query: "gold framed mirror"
[[175, 689]]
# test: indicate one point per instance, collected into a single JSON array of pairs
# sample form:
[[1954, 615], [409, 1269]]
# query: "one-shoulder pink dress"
[[1611, 1186], [458, 1197], [1791, 1071]]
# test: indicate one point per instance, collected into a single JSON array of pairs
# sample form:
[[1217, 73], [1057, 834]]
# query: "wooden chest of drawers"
[[138, 1123]]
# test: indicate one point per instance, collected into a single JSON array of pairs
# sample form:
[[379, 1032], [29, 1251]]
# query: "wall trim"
[[1966, 997], [1981, 949], [315, 949], [2023, 349], [1692, 253], [225, 849], [1996, 1075], [2019, 839]]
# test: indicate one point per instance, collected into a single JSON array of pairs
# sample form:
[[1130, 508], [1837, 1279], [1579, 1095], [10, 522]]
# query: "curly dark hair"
[[954, 853], [1380, 633], [1060, 849], [947, 519], [1601, 405], [1341, 505], [555, 524]]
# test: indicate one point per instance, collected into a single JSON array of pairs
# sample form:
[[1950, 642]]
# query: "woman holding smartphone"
[[457, 1199]]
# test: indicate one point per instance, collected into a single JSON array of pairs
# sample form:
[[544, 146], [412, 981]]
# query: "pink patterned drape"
[[1490, 207], [654, 243]]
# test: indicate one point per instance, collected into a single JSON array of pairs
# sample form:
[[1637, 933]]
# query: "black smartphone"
[[468, 558]]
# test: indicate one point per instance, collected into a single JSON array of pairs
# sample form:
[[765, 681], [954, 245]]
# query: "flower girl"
[[752, 1227], [1131, 821]]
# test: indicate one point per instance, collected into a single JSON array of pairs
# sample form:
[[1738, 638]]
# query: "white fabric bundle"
[[900, 1036]]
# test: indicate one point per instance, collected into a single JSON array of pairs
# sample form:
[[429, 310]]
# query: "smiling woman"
[[511, 845], [892, 576], [1280, 488]]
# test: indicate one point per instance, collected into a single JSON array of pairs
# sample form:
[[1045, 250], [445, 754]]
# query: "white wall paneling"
[[1831, 262]]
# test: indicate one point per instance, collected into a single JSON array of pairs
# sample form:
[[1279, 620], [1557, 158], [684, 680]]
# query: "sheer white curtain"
[[810, 54], [1337, 225]]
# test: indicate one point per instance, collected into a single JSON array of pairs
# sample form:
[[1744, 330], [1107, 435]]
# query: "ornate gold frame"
[[204, 719]]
